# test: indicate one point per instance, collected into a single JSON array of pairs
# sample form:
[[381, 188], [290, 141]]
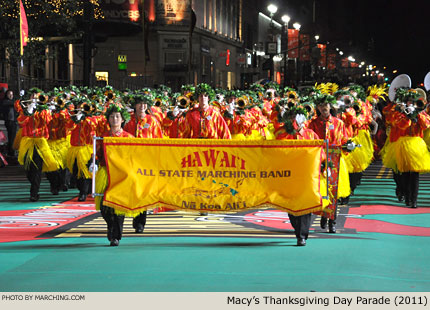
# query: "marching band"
[[57, 128]]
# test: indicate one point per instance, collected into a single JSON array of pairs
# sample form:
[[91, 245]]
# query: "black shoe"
[[203, 213], [323, 222], [414, 204], [139, 229], [114, 242], [301, 242], [54, 192], [345, 200], [64, 188], [34, 198], [332, 229], [82, 197], [400, 195]]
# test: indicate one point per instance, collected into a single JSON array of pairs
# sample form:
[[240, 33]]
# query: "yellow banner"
[[213, 175]]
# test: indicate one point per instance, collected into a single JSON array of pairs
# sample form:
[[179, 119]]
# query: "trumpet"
[[241, 102], [158, 102], [183, 102], [110, 95], [357, 107], [43, 99]]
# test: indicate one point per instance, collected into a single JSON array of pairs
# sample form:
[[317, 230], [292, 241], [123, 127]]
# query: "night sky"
[[390, 33]]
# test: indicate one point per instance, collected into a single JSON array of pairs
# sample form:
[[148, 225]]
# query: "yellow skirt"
[[27, 146], [407, 154], [82, 154], [343, 187], [59, 150], [360, 158], [270, 132], [17, 140], [427, 137], [101, 185]]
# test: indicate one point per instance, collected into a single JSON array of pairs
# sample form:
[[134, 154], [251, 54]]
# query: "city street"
[[59, 244]]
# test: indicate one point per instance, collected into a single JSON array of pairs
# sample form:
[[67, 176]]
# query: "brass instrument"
[[110, 95], [183, 102], [43, 99], [158, 102], [357, 107], [241, 102]]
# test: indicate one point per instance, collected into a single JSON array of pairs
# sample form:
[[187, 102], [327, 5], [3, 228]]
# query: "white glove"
[[282, 111], [176, 111], [93, 168], [79, 116], [351, 146], [230, 108], [52, 107], [300, 119], [31, 107], [22, 92], [340, 103], [409, 109]]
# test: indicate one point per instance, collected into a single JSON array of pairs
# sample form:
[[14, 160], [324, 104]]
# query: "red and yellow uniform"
[[81, 144], [147, 127], [239, 124], [407, 150], [333, 130], [35, 132], [207, 124], [59, 139]]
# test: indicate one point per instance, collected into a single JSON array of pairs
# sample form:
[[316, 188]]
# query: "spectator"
[[10, 118]]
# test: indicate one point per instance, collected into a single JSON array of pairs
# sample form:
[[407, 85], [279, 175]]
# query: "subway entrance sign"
[[122, 62]]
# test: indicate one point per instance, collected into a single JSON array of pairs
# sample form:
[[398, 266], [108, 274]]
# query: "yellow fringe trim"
[[59, 150], [359, 159], [27, 147], [82, 154], [408, 154], [17, 140], [343, 187], [101, 185]]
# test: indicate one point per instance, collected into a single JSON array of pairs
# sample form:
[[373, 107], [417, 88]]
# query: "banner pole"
[[326, 167]]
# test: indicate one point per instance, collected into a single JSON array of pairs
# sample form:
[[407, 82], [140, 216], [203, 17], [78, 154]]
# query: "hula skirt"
[[59, 150], [26, 152], [360, 158], [343, 187], [407, 154], [80, 154], [101, 185], [17, 140]]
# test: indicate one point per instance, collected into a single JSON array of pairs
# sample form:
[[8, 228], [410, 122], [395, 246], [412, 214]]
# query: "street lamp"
[[350, 58], [317, 37], [297, 26], [272, 10], [286, 19]]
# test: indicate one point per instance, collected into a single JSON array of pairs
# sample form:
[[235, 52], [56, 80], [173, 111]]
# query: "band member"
[[116, 116], [291, 125], [34, 152], [330, 128], [83, 126], [408, 154], [143, 125]]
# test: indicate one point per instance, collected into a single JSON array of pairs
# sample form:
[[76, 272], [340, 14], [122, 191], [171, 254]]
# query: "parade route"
[[59, 244]]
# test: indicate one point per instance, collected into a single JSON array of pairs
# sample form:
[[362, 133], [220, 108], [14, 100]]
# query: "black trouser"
[[301, 225], [83, 184], [139, 220], [114, 223], [34, 172], [410, 184], [54, 178], [399, 184], [11, 127], [354, 179]]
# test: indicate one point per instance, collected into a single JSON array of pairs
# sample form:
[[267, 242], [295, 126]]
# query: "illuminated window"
[[102, 76]]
